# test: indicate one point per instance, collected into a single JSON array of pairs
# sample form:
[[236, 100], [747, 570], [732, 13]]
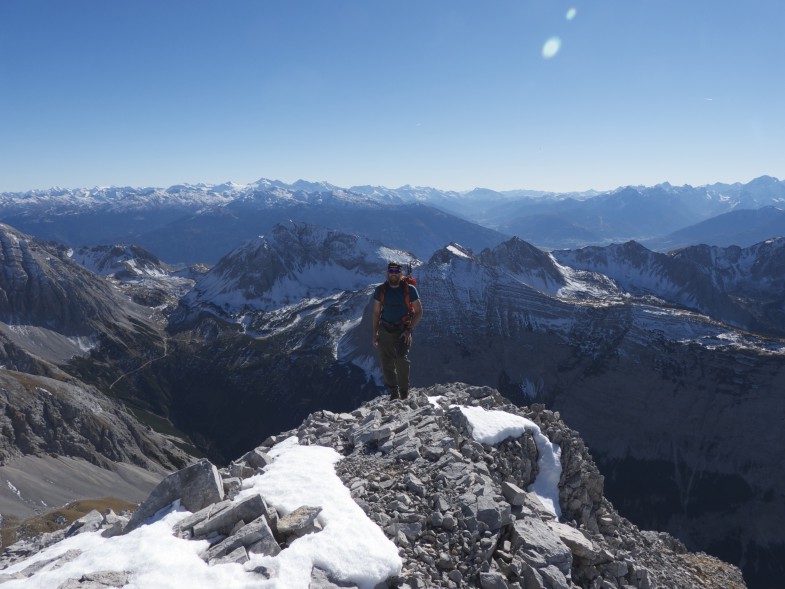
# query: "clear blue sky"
[[447, 93]]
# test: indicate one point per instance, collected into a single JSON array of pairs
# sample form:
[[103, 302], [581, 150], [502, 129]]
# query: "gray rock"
[[184, 528], [513, 493], [91, 522], [531, 578], [534, 535], [321, 579], [240, 470], [617, 568], [97, 580], [576, 541], [238, 556], [493, 514], [493, 581], [197, 486], [232, 486], [432, 453], [257, 458], [257, 534], [409, 451], [372, 434], [554, 578], [113, 524], [455, 576], [480, 392], [300, 521], [222, 522]]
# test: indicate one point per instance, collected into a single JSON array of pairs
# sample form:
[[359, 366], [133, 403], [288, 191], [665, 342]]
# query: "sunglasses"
[[394, 271]]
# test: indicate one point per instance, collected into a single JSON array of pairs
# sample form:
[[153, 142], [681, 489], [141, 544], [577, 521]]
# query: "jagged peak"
[[297, 260]]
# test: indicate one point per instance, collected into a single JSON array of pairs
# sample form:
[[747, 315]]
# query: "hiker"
[[397, 311]]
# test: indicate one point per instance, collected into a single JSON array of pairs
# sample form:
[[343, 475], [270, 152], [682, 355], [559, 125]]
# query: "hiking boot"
[[394, 395], [404, 393]]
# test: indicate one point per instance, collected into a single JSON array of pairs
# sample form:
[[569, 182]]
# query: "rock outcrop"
[[40, 415], [40, 286], [461, 512]]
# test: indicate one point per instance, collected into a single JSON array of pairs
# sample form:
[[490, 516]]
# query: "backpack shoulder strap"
[[406, 296]]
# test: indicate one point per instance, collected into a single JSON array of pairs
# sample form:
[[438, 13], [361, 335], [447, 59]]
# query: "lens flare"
[[571, 13], [551, 47]]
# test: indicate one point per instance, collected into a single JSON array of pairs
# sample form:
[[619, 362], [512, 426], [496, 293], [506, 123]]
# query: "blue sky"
[[454, 94]]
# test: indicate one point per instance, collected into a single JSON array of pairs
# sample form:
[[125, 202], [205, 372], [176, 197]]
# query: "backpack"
[[406, 281]]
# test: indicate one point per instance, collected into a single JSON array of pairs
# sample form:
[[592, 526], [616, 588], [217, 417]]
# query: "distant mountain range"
[[200, 223], [741, 228]]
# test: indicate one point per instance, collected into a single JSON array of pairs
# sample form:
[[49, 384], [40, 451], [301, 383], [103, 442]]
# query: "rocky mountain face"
[[679, 389], [687, 390], [55, 312], [665, 396], [55, 309], [741, 228], [55, 318], [461, 513], [40, 416], [39, 286], [138, 273], [296, 262], [739, 286], [120, 261]]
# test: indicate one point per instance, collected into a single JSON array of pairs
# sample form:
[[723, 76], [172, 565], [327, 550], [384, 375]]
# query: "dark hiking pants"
[[394, 355]]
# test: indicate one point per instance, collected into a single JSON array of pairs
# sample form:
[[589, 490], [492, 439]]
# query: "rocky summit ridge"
[[459, 512]]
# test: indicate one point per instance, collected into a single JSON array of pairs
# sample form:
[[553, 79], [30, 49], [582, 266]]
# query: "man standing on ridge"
[[397, 311]]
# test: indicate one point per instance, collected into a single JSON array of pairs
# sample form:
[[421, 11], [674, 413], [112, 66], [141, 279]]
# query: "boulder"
[[298, 523], [222, 522], [581, 547], [513, 493], [90, 522], [97, 580], [533, 535], [256, 533], [196, 486]]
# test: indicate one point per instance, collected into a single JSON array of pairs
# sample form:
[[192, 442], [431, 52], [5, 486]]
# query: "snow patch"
[[493, 427], [13, 489], [455, 251], [350, 546]]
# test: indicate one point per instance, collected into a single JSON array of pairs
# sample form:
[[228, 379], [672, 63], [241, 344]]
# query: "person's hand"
[[375, 341], [407, 336]]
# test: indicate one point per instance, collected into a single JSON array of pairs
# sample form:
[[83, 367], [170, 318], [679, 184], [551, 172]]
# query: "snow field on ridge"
[[350, 547]]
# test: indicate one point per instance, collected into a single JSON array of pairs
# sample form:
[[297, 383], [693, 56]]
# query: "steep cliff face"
[[52, 309], [41, 415], [59, 321], [457, 487], [740, 286], [295, 262], [39, 286]]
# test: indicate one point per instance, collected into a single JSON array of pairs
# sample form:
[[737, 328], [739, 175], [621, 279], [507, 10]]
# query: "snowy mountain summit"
[[455, 487], [296, 261]]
